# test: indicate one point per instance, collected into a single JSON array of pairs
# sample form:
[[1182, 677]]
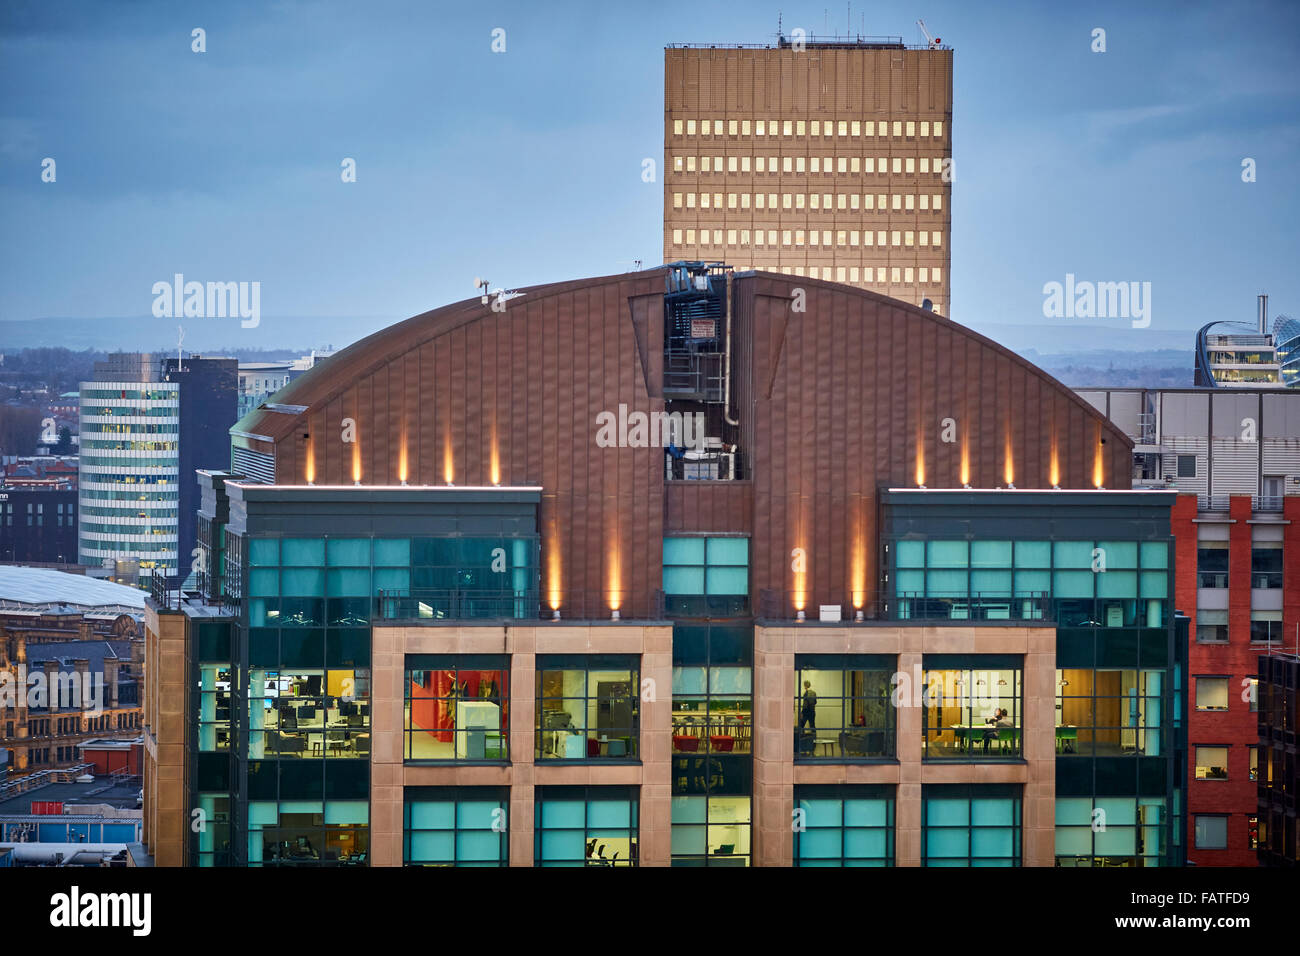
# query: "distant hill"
[[224, 336]]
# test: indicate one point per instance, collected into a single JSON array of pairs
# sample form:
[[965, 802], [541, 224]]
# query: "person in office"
[[808, 710], [1000, 718]]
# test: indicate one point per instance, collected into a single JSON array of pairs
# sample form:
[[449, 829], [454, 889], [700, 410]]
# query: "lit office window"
[[586, 826], [1109, 712], [455, 826], [214, 707], [799, 127], [457, 707], [842, 707], [1211, 763], [677, 127], [856, 128], [717, 127], [938, 201], [844, 825], [587, 707], [690, 127], [973, 706], [731, 127], [308, 832], [970, 825], [925, 128], [938, 128], [710, 831], [302, 713], [1211, 693], [787, 128], [882, 128]]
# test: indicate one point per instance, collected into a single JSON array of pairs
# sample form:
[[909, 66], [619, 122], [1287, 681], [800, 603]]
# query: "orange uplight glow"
[[553, 587], [356, 461], [1054, 466], [799, 563], [401, 458], [965, 458], [1008, 465], [858, 562], [494, 460], [448, 465], [310, 457], [1097, 462], [920, 461], [614, 575]]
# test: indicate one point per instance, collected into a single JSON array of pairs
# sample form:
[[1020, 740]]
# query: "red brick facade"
[[1237, 727]]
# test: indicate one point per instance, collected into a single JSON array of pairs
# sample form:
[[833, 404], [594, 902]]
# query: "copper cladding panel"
[[834, 403]]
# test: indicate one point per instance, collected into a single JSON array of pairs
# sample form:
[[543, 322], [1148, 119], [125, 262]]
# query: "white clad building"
[[129, 472]]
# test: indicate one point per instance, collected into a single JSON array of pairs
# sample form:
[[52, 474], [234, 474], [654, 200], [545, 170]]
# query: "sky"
[[525, 166]]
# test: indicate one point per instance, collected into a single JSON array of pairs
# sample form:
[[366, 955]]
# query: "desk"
[[968, 734], [829, 744]]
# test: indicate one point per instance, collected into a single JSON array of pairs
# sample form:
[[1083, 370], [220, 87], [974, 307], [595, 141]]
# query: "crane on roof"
[[933, 41]]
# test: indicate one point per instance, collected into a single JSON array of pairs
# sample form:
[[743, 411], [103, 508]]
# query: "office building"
[[38, 511], [146, 422], [1279, 717], [567, 609], [1286, 337], [1233, 355], [822, 158], [258, 381], [1234, 458]]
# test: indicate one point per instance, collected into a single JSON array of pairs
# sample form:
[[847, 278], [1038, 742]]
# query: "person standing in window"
[[808, 710]]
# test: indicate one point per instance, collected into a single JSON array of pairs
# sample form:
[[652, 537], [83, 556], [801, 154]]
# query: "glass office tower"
[[281, 762], [1098, 566]]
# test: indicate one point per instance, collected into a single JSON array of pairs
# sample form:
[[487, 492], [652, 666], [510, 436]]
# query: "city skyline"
[[232, 171]]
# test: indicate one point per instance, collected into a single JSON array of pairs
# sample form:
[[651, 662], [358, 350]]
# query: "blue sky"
[[525, 167]]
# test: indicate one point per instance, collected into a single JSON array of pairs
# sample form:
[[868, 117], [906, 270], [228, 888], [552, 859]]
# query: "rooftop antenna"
[[179, 340]]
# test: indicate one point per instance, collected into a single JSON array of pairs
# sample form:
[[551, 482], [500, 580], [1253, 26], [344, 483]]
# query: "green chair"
[[1063, 737], [974, 737], [1008, 738]]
